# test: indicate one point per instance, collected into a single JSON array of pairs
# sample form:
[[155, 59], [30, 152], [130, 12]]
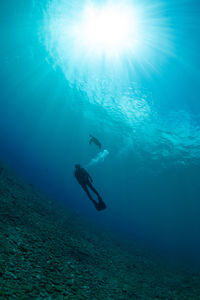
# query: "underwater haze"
[[140, 98]]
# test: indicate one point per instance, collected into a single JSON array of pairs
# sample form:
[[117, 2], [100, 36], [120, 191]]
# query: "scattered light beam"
[[102, 47]]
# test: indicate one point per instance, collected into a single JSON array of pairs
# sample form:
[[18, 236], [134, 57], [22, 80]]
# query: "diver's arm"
[[91, 139], [90, 177]]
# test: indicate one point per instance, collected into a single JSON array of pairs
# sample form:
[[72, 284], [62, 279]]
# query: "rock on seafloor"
[[49, 252]]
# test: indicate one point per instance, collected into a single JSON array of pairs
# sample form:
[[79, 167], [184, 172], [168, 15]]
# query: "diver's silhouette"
[[84, 179], [94, 140]]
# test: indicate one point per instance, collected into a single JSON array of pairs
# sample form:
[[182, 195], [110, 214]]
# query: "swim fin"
[[101, 205]]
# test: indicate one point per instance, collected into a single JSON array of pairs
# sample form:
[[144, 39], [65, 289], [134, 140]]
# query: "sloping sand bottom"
[[48, 252]]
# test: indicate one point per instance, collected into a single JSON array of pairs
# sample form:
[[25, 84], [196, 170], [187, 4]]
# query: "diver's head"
[[77, 166]]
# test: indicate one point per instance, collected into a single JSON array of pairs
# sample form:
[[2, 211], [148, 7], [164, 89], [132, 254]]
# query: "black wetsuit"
[[94, 140], [84, 179]]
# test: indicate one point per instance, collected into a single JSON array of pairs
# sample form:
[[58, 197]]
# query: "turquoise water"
[[142, 105]]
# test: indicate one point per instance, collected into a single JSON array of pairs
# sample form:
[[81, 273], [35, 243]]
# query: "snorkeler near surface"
[[84, 179], [95, 141]]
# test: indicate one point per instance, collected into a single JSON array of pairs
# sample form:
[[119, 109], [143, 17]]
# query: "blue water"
[[145, 113]]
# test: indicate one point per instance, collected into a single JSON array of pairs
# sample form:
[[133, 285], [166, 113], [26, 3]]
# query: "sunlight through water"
[[102, 46]]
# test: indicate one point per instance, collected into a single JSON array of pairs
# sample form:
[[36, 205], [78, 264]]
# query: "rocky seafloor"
[[49, 252]]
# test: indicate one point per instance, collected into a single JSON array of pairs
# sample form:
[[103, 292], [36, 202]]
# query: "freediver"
[[94, 140], [84, 179]]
